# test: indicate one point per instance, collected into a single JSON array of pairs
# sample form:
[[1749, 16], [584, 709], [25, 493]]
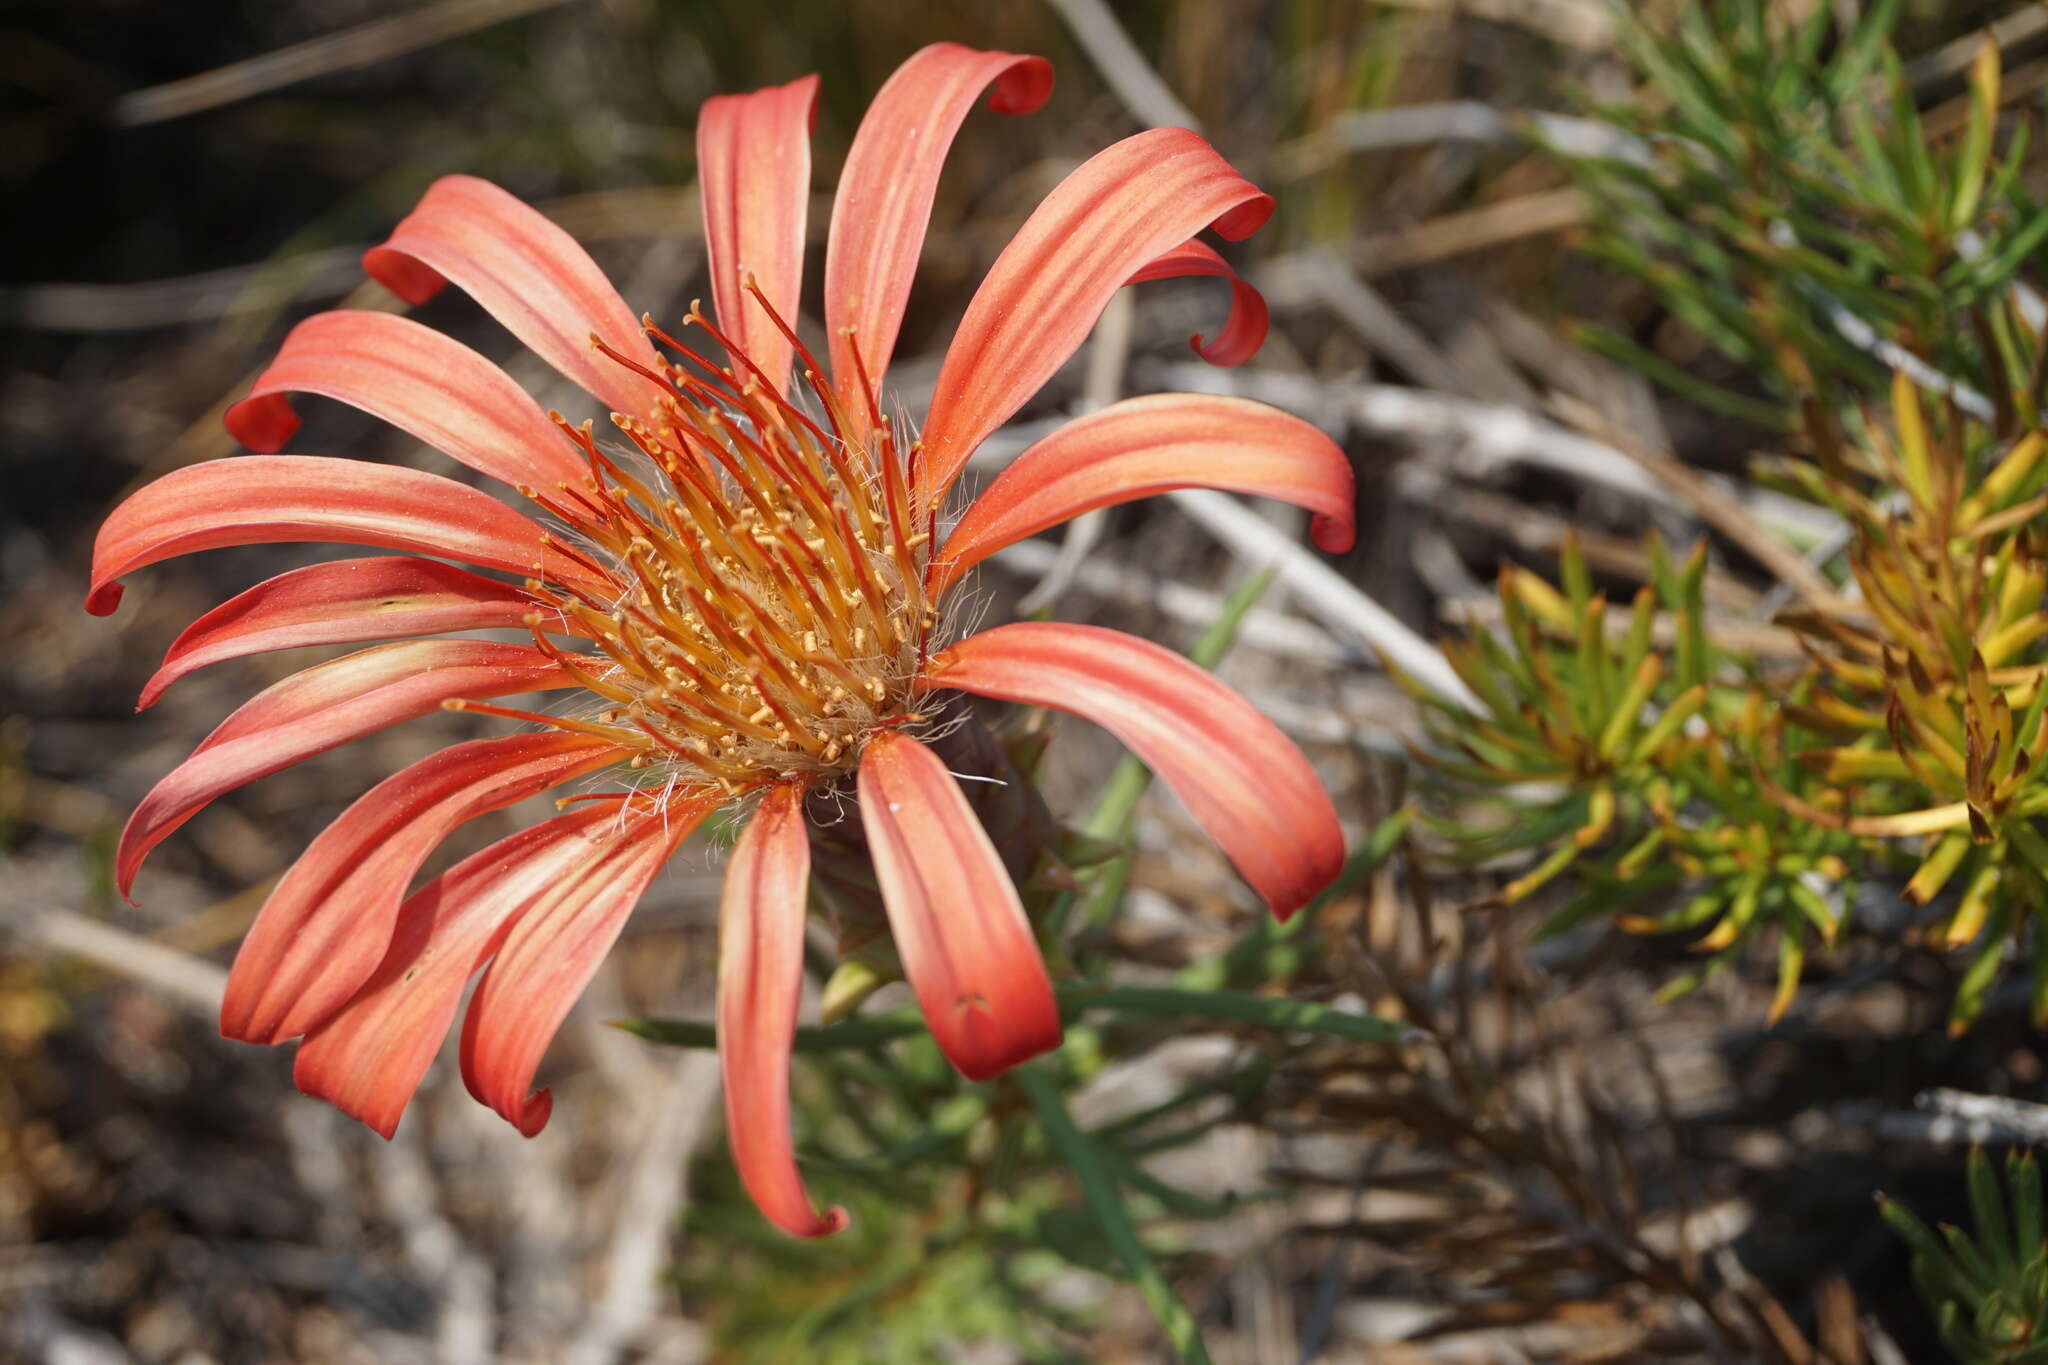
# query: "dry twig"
[[364, 45]]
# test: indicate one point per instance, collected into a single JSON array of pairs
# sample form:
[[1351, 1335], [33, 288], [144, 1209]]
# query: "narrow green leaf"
[[1974, 157], [1264, 1011], [1861, 51], [2014, 251], [1915, 1233], [1978, 976], [1098, 1188], [1987, 1208], [1769, 416], [2023, 1174]]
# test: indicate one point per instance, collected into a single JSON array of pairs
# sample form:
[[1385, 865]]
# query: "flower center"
[[764, 610]]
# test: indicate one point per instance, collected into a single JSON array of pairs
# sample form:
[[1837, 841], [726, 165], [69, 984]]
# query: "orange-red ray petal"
[[884, 202], [369, 1057], [414, 378], [345, 601], [329, 921], [1122, 209], [322, 708], [760, 977], [1143, 446], [1244, 331], [754, 175], [528, 274], [263, 499], [551, 954], [1245, 783], [954, 913]]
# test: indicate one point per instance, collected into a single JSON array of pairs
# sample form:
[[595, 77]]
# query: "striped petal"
[[529, 275], [1245, 329], [346, 601], [966, 946], [369, 1058], [322, 708], [754, 173], [416, 379], [1124, 208], [329, 921], [1143, 446], [1243, 781], [760, 977], [884, 202], [266, 499], [549, 957]]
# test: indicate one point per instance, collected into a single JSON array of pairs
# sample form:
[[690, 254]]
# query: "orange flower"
[[745, 596]]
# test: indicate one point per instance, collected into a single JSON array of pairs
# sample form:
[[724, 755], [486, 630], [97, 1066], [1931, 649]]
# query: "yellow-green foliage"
[[1787, 205]]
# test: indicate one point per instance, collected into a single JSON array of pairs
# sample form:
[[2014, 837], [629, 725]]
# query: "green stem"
[[1098, 1188]]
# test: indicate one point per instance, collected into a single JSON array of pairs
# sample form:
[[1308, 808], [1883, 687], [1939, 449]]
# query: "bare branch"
[[363, 45]]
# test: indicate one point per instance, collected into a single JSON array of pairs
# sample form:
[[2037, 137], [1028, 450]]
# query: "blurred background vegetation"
[[1692, 972]]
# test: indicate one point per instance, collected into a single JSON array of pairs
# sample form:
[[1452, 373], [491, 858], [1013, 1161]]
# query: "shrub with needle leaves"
[[1779, 194], [1627, 747], [1989, 1292]]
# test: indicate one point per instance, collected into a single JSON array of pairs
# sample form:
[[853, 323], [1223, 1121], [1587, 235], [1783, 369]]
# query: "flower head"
[[741, 585]]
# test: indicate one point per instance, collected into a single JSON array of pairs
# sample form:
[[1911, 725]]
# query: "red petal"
[[1121, 210], [369, 1058], [342, 602], [754, 173], [958, 924], [1143, 446], [327, 925], [529, 275], [264, 499], [884, 204], [1244, 781], [550, 956], [1245, 330], [322, 708], [760, 976], [414, 378]]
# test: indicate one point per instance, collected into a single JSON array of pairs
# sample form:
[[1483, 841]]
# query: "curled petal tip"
[[1022, 88], [984, 1047], [1332, 535], [810, 1226], [1244, 331], [403, 275], [237, 1021], [263, 423], [534, 1115], [1246, 219]]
